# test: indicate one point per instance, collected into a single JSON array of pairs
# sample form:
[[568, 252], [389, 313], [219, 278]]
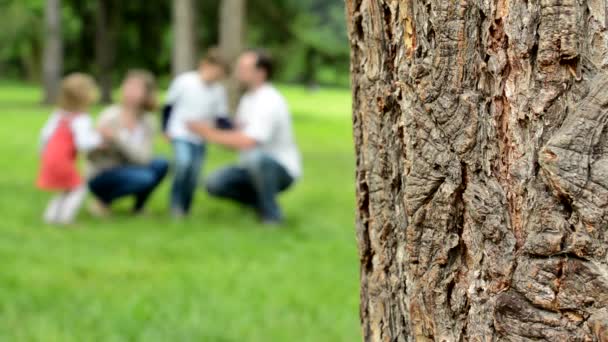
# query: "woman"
[[124, 166]]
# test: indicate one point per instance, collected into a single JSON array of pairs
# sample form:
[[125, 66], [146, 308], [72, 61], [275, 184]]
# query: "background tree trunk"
[[232, 36], [482, 169], [184, 39], [104, 48], [52, 64], [31, 62]]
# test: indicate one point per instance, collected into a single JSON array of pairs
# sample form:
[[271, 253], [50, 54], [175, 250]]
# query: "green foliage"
[[308, 36], [20, 35], [18, 18], [320, 24], [217, 277], [305, 36]]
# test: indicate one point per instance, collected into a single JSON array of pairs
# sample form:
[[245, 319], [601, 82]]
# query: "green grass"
[[219, 276]]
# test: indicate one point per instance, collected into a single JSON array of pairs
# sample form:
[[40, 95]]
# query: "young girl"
[[68, 131]]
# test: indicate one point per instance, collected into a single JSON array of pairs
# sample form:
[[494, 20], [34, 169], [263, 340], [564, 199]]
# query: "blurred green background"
[[307, 37], [219, 276]]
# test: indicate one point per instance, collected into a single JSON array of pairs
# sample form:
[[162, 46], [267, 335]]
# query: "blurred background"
[[108, 37], [219, 276]]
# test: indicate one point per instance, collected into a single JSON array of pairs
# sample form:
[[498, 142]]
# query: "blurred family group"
[[119, 153]]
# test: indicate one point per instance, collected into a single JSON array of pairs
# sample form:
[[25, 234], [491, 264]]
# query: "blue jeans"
[[130, 180], [187, 167], [255, 183]]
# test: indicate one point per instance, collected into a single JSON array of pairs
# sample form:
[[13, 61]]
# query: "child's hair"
[[215, 57], [150, 102], [78, 92]]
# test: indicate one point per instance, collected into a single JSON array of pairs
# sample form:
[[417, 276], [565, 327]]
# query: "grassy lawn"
[[218, 276]]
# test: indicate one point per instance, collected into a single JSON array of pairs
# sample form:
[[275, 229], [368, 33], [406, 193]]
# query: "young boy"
[[193, 96]]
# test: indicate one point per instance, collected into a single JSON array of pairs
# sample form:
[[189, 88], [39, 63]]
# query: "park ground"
[[219, 276]]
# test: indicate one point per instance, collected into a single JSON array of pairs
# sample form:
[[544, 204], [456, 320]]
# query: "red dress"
[[58, 170]]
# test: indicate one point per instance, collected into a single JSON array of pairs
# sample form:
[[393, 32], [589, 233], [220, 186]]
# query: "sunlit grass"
[[217, 277]]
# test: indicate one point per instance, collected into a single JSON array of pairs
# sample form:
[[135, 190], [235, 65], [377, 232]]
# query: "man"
[[196, 96], [270, 160]]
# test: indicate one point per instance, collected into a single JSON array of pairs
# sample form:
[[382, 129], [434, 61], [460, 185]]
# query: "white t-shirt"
[[263, 115], [86, 137], [194, 100]]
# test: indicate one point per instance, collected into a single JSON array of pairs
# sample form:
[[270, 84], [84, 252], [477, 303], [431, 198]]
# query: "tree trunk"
[[52, 64], [104, 49], [30, 58], [309, 77], [481, 132], [232, 33], [184, 49]]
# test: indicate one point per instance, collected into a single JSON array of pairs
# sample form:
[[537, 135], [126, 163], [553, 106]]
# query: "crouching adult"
[[124, 166], [270, 162]]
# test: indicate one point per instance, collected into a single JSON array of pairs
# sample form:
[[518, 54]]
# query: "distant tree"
[[52, 64], [122, 35], [232, 22], [105, 45], [184, 38], [304, 35], [21, 48], [320, 30]]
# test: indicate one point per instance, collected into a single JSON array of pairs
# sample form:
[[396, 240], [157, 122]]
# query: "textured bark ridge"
[[481, 129]]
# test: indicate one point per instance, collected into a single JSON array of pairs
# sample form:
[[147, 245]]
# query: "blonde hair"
[[150, 103], [78, 92]]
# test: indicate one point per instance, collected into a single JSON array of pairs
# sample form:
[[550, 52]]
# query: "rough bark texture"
[[482, 168], [232, 35], [52, 60], [184, 39]]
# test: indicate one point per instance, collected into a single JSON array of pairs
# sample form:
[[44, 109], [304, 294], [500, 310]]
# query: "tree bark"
[[52, 64], [104, 49], [184, 39], [481, 132], [232, 36]]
